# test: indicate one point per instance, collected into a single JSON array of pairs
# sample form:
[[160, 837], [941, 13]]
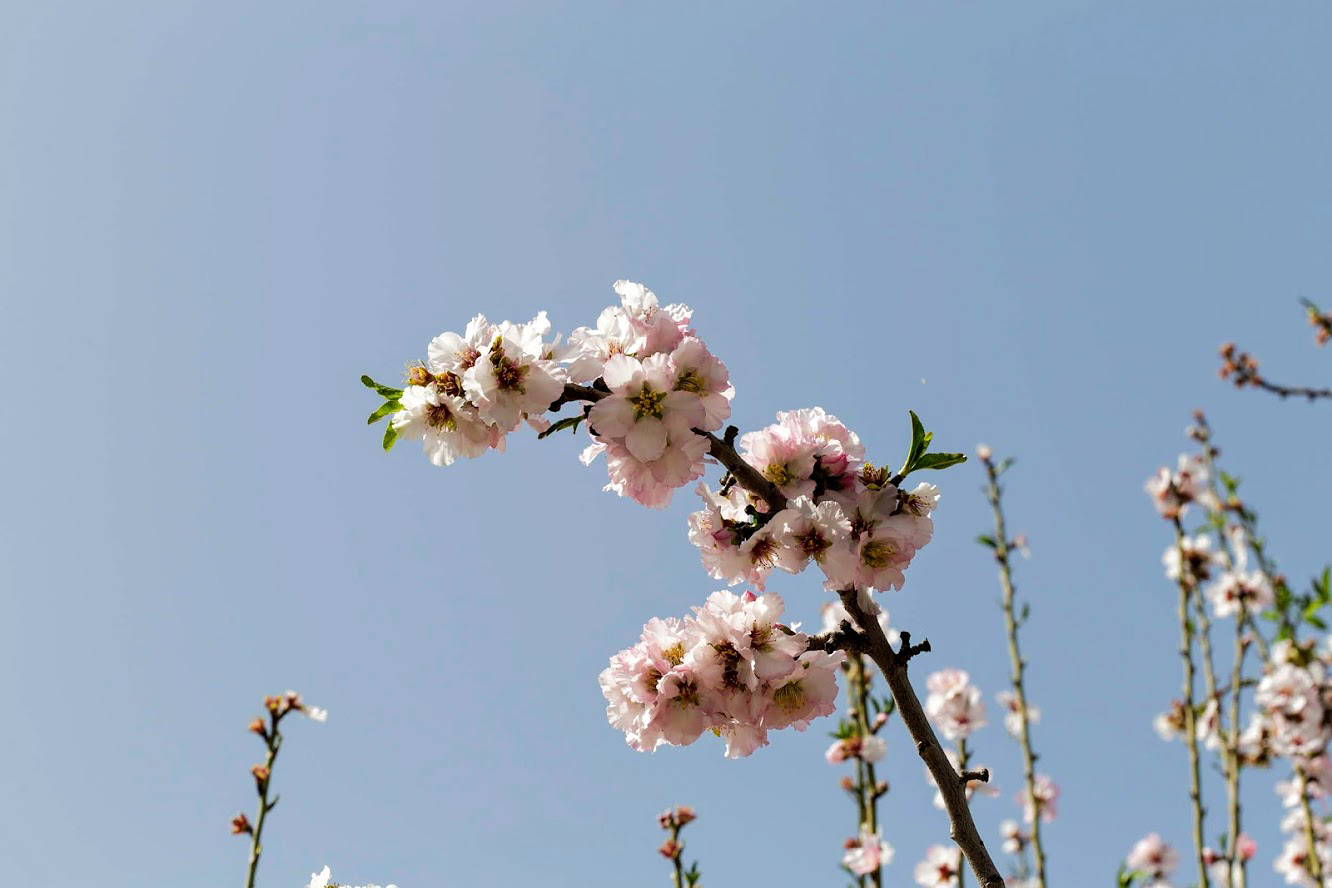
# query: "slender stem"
[[869, 798], [893, 666], [1001, 551], [1190, 719], [1314, 864], [678, 875], [1232, 757], [274, 742]]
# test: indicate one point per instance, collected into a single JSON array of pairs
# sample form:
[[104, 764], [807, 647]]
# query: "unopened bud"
[[240, 824], [670, 849], [846, 784], [257, 726], [261, 773], [880, 720], [983, 452], [417, 374]]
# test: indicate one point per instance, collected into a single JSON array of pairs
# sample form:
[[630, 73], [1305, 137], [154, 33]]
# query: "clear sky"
[[1031, 223]]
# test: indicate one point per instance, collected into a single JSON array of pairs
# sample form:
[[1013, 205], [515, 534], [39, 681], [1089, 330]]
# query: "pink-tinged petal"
[[646, 440], [620, 371], [612, 417], [682, 411]]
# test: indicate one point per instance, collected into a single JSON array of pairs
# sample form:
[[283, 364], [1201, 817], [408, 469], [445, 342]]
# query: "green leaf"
[[987, 540], [569, 422], [385, 409], [939, 460], [390, 436], [1026, 612], [1315, 621], [389, 394], [918, 439]]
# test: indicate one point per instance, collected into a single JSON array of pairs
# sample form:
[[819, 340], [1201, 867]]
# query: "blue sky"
[[1033, 225]]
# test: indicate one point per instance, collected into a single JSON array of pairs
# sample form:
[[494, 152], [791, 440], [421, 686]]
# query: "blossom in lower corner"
[[1154, 858], [867, 853], [940, 868], [322, 879]]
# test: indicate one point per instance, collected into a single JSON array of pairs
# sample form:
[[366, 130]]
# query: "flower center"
[[689, 381], [439, 416], [877, 553], [779, 474], [764, 552], [674, 654], [789, 696], [812, 542], [647, 403], [450, 384]]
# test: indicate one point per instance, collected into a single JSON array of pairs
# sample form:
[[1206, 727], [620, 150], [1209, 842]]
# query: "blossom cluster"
[[842, 514], [656, 390], [1291, 717], [731, 668]]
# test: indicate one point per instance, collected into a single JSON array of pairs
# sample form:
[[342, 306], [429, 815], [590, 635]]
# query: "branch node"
[[909, 650], [983, 775]]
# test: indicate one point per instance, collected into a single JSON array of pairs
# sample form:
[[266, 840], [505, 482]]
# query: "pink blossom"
[[954, 704], [643, 411], [867, 853], [513, 377], [940, 867], [1151, 855], [1045, 795], [1236, 591]]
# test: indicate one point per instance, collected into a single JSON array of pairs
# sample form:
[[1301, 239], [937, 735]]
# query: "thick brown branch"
[[950, 783]]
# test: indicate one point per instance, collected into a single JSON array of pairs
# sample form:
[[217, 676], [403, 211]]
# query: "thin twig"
[[1001, 551]]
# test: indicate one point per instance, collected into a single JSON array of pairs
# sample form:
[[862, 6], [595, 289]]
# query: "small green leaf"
[[918, 442], [987, 540], [389, 394], [1026, 612], [1315, 621], [939, 460], [569, 422], [390, 436], [385, 409]]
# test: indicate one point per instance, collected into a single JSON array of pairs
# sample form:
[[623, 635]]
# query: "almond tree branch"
[[894, 668], [892, 664]]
